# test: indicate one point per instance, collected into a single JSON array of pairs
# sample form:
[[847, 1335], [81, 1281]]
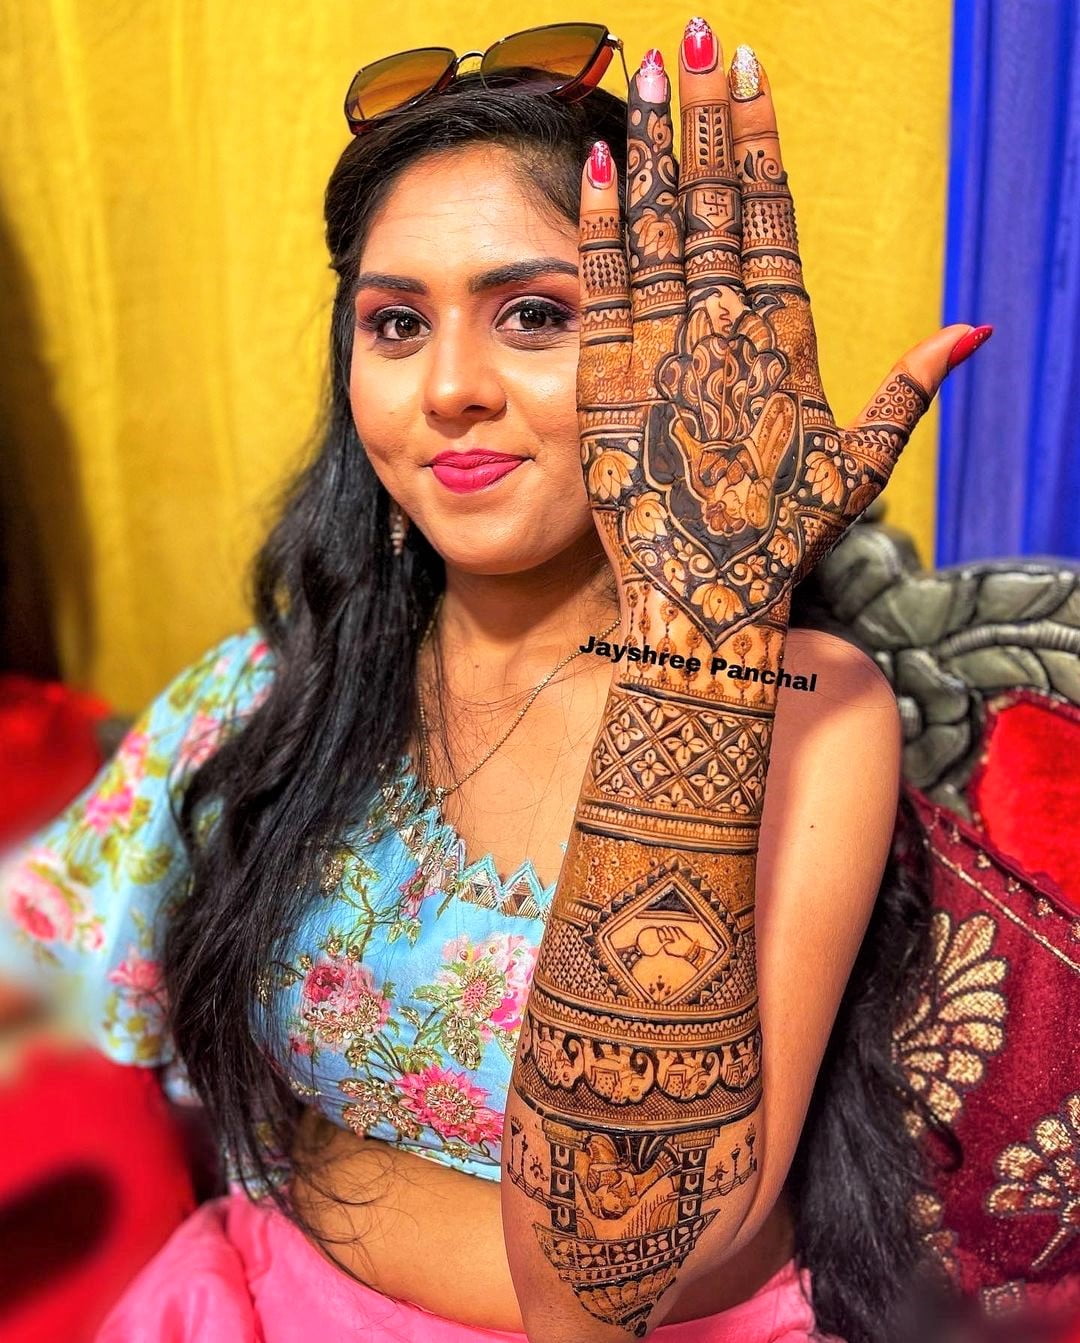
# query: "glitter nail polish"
[[745, 74]]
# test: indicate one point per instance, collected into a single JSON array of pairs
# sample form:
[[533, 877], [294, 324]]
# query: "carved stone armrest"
[[949, 638]]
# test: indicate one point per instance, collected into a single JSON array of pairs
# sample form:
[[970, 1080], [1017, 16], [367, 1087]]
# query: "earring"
[[399, 525]]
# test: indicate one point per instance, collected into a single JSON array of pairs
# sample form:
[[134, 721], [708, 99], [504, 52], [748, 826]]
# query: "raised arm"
[[634, 1142]]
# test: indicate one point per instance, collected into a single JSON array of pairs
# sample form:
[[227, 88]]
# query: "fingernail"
[[651, 81], [744, 77], [967, 345], [698, 47], [601, 166]]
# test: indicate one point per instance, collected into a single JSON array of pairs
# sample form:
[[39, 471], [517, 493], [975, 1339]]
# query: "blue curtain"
[[1009, 457]]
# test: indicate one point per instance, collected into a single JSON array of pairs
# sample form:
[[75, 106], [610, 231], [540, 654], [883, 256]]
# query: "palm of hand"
[[716, 470]]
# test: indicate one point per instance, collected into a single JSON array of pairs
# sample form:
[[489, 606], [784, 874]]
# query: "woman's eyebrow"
[[514, 272]]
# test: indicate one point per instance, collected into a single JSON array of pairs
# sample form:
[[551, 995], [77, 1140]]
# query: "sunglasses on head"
[[567, 59]]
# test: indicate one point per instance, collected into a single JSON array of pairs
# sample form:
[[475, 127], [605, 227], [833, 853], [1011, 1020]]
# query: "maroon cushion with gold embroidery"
[[994, 1048]]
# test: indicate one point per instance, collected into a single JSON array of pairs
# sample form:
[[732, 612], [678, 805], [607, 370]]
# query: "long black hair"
[[330, 597]]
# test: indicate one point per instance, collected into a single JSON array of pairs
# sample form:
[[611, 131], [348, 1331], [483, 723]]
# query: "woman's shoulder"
[[848, 666], [183, 724], [230, 676], [848, 710], [80, 897]]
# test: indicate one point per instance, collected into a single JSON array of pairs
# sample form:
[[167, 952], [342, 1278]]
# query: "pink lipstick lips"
[[464, 472]]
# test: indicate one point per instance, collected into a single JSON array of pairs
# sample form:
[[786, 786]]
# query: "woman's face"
[[467, 341]]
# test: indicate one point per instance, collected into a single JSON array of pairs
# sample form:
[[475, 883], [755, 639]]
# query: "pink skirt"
[[240, 1272]]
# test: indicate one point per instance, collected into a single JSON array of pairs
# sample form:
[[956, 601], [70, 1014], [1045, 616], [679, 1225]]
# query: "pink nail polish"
[[652, 82], [699, 47], [601, 166]]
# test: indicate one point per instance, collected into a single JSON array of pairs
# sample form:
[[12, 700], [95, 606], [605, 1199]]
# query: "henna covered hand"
[[717, 472]]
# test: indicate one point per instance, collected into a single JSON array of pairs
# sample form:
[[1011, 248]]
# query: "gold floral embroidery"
[[333, 869], [1043, 1177], [927, 1213], [945, 1041], [1007, 1298]]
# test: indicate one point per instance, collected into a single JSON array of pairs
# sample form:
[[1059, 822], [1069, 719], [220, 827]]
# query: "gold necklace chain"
[[438, 793]]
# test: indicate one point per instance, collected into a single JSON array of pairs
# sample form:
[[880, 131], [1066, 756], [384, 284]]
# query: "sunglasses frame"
[[573, 89]]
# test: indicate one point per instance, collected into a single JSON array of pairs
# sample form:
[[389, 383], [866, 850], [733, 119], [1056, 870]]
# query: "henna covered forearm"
[[634, 1126]]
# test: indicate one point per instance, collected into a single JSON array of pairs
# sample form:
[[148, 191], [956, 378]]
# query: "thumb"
[[905, 394]]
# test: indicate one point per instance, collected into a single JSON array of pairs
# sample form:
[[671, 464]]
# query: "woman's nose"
[[460, 380]]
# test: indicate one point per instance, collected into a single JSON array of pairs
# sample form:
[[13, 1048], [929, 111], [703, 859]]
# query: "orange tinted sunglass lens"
[[562, 51], [396, 80]]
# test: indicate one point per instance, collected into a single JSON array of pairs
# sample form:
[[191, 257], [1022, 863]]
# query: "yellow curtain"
[[166, 294]]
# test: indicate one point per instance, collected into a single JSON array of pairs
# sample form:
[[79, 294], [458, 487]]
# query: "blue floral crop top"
[[398, 1012]]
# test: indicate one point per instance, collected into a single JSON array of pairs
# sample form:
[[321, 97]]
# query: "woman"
[[345, 968]]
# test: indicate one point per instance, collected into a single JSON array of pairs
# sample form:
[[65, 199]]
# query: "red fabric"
[[993, 1047], [94, 1177], [1025, 792], [94, 1181], [48, 751]]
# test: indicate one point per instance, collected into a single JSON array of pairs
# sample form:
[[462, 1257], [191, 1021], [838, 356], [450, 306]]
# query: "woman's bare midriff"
[[432, 1235]]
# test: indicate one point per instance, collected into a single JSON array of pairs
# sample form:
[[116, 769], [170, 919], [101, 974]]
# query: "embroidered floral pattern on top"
[[396, 1003], [423, 1049]]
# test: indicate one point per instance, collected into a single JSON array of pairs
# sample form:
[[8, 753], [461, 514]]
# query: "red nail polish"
[[699, 47], [601, 166], [967, 345]]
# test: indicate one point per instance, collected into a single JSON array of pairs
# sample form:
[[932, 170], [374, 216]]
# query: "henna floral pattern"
[[699, 369]]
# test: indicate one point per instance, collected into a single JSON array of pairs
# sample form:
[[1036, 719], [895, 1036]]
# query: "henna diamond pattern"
[[679, 759]]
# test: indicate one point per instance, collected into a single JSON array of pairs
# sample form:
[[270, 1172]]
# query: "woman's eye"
[[538, 315], [397, 326]]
